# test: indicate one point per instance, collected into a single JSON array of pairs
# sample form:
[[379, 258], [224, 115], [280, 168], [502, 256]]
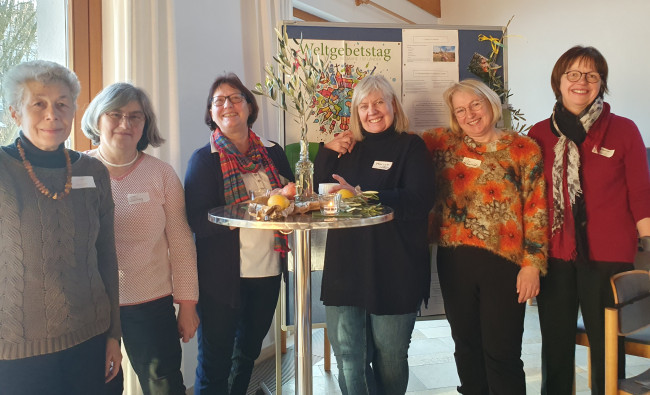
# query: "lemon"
[[278, 200], [345, 193]]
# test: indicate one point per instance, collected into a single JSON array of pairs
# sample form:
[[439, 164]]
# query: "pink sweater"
[[155, 250]]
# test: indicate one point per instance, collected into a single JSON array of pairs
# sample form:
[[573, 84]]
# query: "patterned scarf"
[[234, 163], [570, 129]]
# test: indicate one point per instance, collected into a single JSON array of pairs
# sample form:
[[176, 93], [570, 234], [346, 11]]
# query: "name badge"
[[79, 182], [137, 198], [471, 162], [382, 165], [607, 153]]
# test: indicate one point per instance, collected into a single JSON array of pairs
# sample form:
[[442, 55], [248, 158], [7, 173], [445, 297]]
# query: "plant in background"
[[487, 69], [17, 44], [292, 87]]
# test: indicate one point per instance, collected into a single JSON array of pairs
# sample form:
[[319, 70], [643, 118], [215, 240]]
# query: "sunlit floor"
[[431, 361]]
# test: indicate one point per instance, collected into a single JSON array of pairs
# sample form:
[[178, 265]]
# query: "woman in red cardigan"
[[598, 187]]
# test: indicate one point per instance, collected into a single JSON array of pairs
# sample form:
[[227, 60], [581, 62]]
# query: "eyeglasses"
[[235, 98], [134, 119], [461, 112], [574, 76]]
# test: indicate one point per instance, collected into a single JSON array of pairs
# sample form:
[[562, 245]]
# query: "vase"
[[304, 174]]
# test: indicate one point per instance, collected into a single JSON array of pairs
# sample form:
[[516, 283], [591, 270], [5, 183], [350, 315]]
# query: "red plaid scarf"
[[234, 163]]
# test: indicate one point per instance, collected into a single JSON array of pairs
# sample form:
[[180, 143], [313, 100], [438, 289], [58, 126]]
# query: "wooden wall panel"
[[86, 58], [306, 16], [430, 6]]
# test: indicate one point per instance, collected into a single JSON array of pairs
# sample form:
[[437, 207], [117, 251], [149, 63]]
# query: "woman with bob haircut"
[[59, 309], [239, 269], [597, 169], [376, 277], [490, 223], [156, 256]]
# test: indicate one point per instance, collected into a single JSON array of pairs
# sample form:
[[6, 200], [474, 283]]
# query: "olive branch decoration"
[[292, 86]]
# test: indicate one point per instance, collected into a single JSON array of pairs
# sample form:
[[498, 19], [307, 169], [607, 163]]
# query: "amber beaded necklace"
[[39, 185]]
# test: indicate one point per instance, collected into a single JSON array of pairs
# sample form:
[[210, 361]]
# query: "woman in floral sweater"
[[490, 218]]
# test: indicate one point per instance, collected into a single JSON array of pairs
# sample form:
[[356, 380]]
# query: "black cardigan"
[[383, 268], [217, 247]]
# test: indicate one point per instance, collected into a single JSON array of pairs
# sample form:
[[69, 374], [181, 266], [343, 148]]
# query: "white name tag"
[[607, 153], [471, 162], [136, 198], [79, 182], [382, 165]]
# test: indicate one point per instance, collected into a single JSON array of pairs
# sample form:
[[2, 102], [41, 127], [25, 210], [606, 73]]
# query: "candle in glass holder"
[[329, 203]]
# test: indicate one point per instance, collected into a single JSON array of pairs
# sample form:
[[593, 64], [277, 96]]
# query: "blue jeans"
[[360, 340], [230, 339]]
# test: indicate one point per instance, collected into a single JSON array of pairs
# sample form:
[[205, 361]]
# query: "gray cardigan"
[[58, 267]]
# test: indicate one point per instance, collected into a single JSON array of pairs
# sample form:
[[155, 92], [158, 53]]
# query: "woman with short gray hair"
[[156, 256], [110, 100], [59, 316]]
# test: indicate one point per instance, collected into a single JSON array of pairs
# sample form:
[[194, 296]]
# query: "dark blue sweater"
[[217, 247]]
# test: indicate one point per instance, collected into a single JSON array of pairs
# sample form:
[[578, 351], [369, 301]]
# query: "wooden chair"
[[642, 262], [630, 318]]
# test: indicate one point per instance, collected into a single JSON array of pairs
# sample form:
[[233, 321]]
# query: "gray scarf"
[[562, 125]]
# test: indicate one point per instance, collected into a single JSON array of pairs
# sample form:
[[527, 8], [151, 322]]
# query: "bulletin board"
[[420, 62]]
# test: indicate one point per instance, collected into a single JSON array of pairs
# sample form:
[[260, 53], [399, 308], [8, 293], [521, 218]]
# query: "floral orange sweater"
[[490, 196]]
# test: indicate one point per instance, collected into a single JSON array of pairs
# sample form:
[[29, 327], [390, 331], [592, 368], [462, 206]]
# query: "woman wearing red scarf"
[[239, 269], [598, 187]]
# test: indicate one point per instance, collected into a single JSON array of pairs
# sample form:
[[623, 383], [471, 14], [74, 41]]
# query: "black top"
[[383, 268], [39, 158], [217, 247]]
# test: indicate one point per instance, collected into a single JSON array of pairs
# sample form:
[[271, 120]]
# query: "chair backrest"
[[632, 297], [293, 153]]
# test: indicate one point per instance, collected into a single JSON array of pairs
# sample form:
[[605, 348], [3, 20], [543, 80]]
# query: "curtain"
[[260, 18], [139, 47]]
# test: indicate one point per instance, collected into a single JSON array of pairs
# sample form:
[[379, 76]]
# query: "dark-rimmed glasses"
[[235, 98], [574, 76]]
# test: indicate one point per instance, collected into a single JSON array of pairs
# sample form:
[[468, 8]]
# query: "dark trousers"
[[78, 370], [567, 286], [487, 322], [150, 336], [230, 339]]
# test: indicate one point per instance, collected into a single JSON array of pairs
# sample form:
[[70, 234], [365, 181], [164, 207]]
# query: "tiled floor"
[[432, 367]]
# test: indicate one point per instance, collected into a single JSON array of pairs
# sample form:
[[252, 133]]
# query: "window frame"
[[85, 38]]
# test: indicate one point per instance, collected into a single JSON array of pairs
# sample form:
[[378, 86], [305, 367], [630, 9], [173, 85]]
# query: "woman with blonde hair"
[[490, 220], [376, 277]]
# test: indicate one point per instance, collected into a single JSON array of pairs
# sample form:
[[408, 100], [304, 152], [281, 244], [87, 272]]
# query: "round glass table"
[[300, 226]]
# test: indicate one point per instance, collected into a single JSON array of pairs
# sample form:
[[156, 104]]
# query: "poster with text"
[[430, 65], [346, 63]]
